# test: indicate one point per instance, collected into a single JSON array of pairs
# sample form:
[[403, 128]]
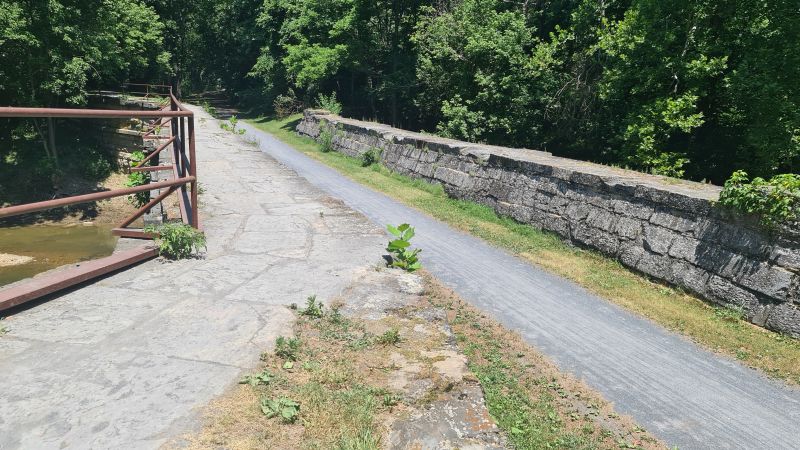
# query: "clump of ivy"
[[775, 201], [177, 240]]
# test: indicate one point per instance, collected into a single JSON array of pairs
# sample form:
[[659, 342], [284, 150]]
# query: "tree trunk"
[[51, 139]]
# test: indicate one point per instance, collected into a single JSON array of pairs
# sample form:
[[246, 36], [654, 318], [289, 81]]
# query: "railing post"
[[174, 126], [193, 172]]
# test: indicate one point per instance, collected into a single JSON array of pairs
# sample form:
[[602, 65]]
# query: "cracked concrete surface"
[[127, 361]]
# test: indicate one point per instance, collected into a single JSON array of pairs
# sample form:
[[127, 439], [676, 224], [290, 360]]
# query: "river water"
[[52, 246]]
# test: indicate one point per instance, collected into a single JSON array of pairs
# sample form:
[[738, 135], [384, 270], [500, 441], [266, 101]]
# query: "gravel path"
[[128, 361], [681, 393]]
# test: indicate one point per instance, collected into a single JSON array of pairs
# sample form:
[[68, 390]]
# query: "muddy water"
[[52, 246]]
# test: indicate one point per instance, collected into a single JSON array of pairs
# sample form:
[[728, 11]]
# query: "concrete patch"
[[459, 421]]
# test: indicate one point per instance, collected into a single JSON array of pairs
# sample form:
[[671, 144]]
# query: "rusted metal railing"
[[180, 140]]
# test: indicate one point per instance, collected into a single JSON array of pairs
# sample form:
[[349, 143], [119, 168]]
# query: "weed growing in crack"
[[262, 378], [313, 308], [390, 337], [403, 256], [231, 124], [177, 240]]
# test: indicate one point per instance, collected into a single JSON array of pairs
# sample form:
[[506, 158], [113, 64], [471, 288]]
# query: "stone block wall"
[[665, 228]]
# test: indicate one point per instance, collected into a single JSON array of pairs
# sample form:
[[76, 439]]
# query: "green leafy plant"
[[262, 378], [329, 103], [231, 125], [775, 201], [325, 138], [403, 256], [137, 157], [391, 399], [138, 179], [177, 240], [285, 408], [287, 348], [135, 179], [390, 337], [370, 157], [287, 104], [313, 308], [730, 313]]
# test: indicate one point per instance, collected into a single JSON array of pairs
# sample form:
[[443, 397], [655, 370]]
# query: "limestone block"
[[673, 222], [450, 176], [631, 209], [654, 264], [600, 218], [596, 238], [690, 277], [630, 253], [658, 239], [627, 227], [576, 212], [765, 278], [784, 317], [684, 248]]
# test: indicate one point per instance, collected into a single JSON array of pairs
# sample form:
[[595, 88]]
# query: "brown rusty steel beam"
[[7, 111], [11, 211], [154, 126], [157, 151], [180, 106], [131, 233], [181, 194], [147, 207], [78, 273], [151, 168], [195, 220]]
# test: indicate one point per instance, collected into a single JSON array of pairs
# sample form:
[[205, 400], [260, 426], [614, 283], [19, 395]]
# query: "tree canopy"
[[54, 51], [691, 88]]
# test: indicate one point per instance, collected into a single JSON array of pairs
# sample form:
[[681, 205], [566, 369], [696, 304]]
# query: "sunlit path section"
[[128, 361]]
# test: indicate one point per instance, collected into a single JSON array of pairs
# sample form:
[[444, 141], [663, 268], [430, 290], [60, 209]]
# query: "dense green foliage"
[[694, 88], [775, 201], [690, 88], [54, 51]]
